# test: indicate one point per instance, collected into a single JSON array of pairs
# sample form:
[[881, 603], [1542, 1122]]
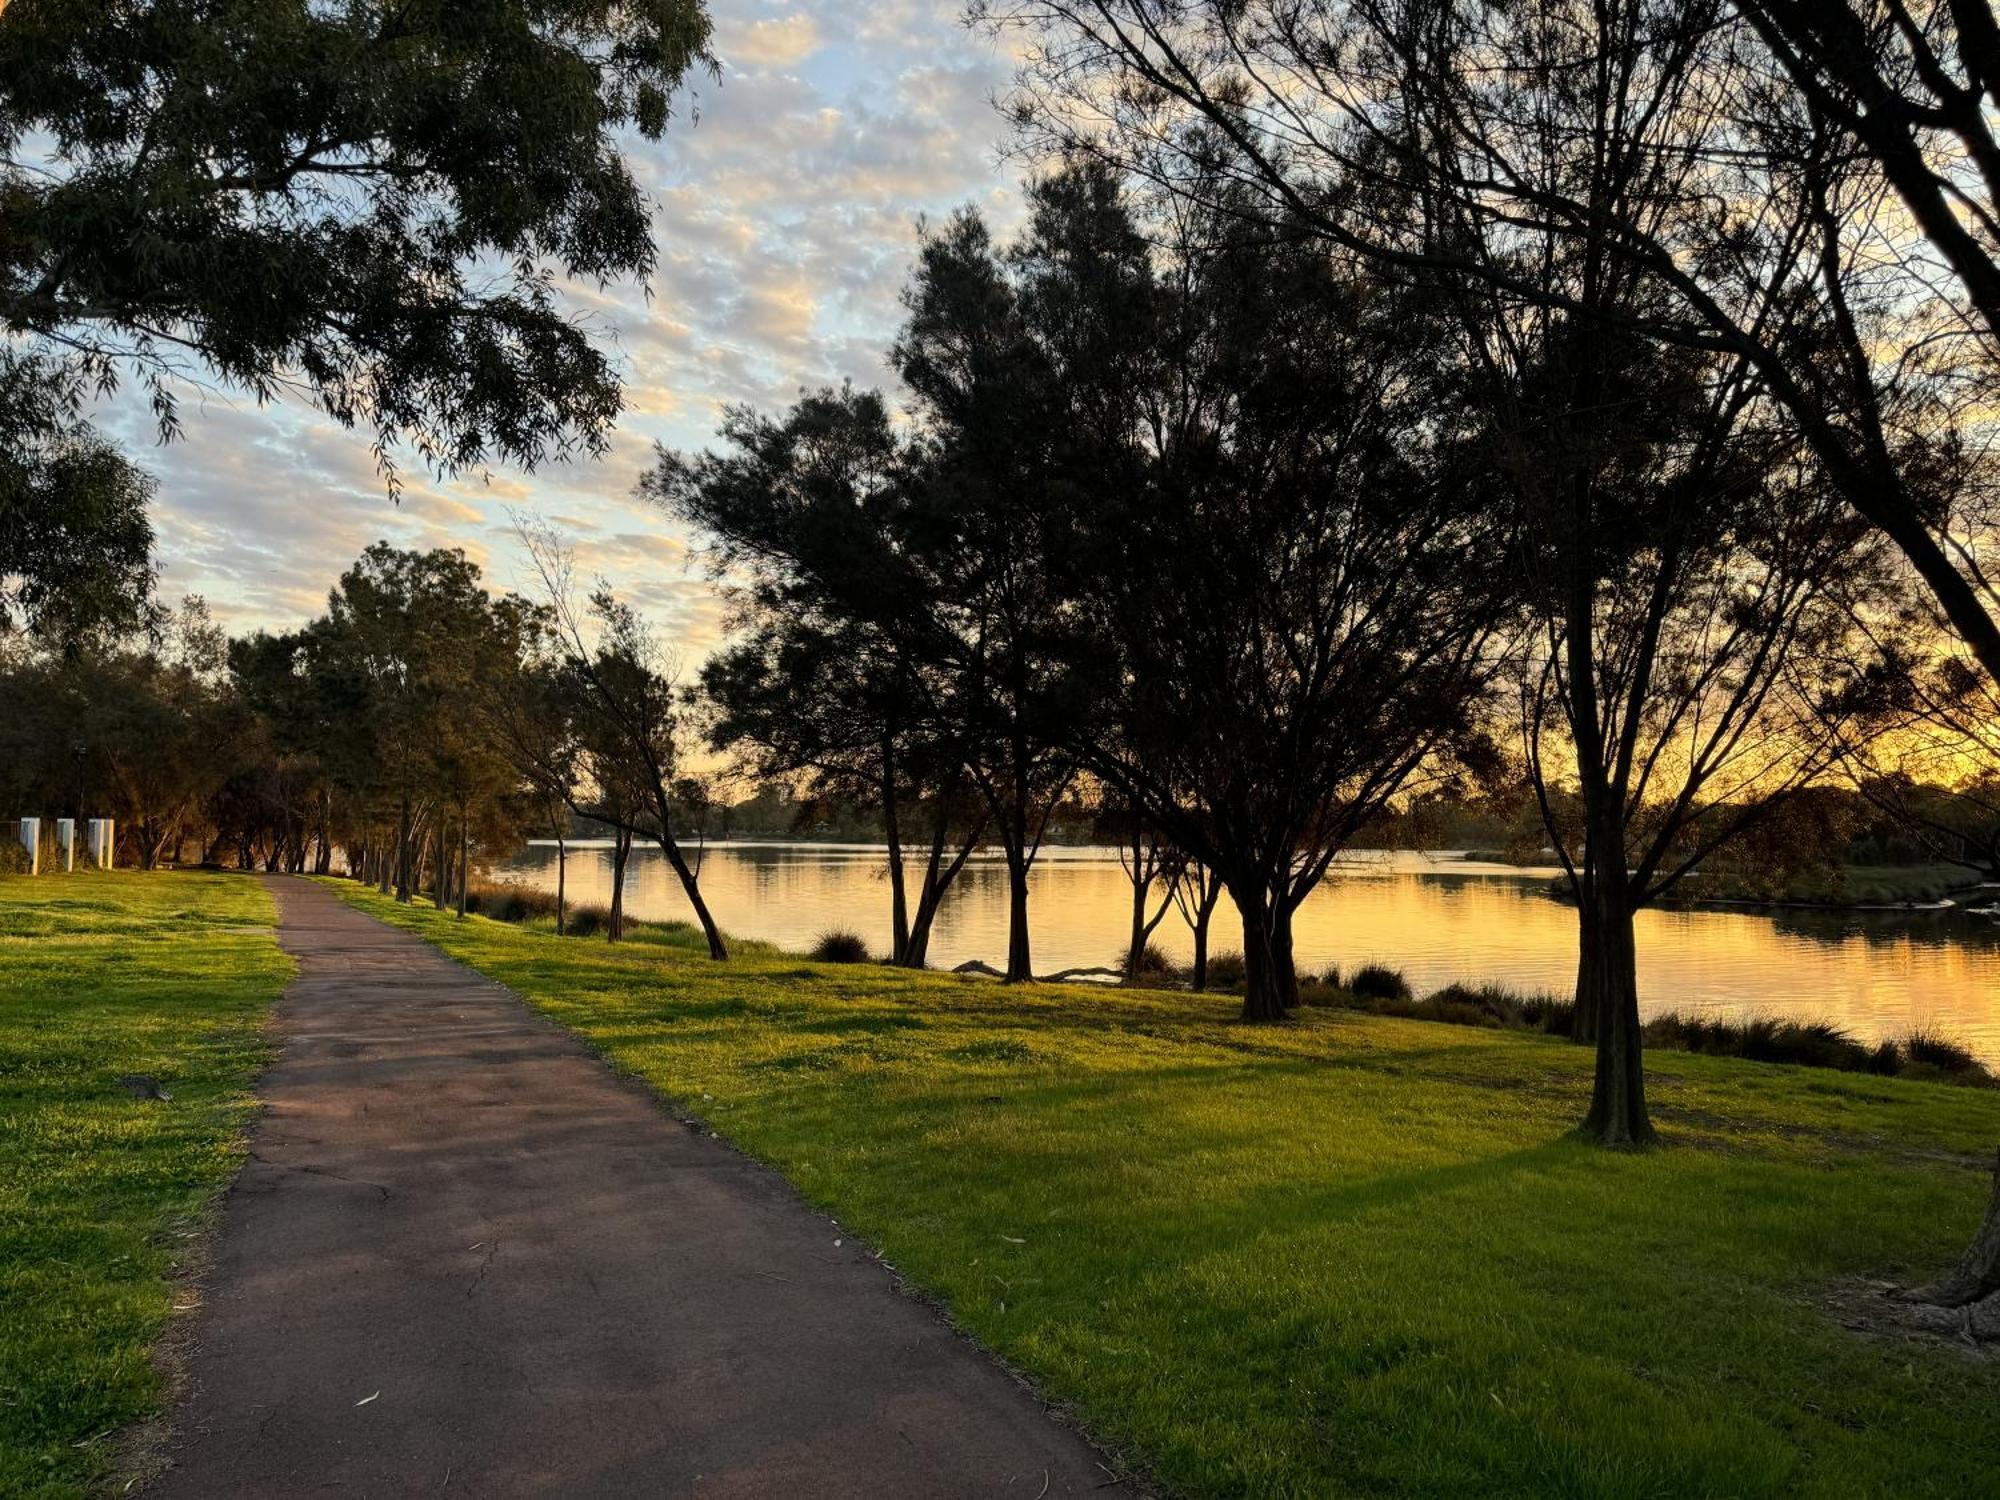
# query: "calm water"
[[1437, 918]]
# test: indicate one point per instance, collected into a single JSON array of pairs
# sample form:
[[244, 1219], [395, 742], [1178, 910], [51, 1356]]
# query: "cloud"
[[773, 42]]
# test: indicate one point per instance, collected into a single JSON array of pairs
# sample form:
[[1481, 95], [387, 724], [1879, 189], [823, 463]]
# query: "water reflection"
[[1437, 919]]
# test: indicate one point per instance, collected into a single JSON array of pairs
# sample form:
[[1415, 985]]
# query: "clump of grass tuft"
[[511, 903], [588, 921], [1225, 970], [1379, 982], [839, 946], [1154, 965], [1818, 1044], [1925, 1048], [1489, 1005]]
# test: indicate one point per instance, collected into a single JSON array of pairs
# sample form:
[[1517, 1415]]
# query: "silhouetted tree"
[[1302, 596], [827, 676]]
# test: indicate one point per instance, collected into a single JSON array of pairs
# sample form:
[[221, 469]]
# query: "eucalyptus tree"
[[415, 633], [1690, 577], [936, 569], [531, 704]]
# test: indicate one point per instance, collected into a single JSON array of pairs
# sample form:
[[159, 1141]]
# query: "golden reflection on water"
[[1436, 918]]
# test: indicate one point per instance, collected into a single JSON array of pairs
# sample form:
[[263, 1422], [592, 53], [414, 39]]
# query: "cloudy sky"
[[785, 218]]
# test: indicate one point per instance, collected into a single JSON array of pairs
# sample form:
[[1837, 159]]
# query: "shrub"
[[1331, 979], [839, 947], [1925, 1050], [504, 902], [1225, 970], [588, 921], [1154, 963], [1378, 982], [13, 858], [1496, 1005]]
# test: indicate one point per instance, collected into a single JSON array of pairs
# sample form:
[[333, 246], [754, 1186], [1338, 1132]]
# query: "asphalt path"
[[465, 1258]]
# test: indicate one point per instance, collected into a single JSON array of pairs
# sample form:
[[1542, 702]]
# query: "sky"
[[786, 199]]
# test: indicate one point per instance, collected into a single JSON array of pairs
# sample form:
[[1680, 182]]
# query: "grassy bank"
[[106, 977], [1357, 1254]]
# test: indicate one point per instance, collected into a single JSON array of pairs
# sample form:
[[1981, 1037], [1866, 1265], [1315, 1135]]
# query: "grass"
[[1352, 1255], [104, 976]]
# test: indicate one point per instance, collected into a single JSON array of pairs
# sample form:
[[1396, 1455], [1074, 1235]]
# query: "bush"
[[13, 858], [511, 903], [1225, 970], [1378, 982], [1496, 1005], [1817, 1044], [1924, 1049], [839, 947], [588, 921]]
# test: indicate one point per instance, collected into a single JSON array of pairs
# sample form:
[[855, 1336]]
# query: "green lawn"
[[101, 976], [1352, 1255]]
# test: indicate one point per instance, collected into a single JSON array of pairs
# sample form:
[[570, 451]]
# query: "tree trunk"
[[899, 903], [562, 881], [404, 853], [1584, 1028], [1976, 1277], [1609, 989], [441, 868], [1020, 959], [1140, 931], [621, 850], [1204, 911], [939, 873], [1265, 987], [691, 885], [464, 860]]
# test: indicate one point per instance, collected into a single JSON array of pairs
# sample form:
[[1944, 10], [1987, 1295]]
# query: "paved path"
[[465, 1259]]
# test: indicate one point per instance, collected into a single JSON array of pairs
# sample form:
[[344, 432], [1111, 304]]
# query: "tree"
[[1302, 597], [1147, 862], [826, 676], [372, 204], [943, 554], [416, 632], [531, 705], [1022, 370], [1687, 569], [76, 546], [623, 685]]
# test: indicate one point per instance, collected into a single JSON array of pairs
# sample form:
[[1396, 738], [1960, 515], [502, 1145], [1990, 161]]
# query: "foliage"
[[377, 204], [104, 975], [1278, 1264], [76, 545]]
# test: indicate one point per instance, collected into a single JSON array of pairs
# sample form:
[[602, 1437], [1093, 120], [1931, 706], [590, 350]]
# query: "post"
[[101, 843], [31, 840], [66, 844]]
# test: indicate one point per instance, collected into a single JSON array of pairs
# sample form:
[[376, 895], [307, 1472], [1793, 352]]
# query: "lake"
[[1436, 917]]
